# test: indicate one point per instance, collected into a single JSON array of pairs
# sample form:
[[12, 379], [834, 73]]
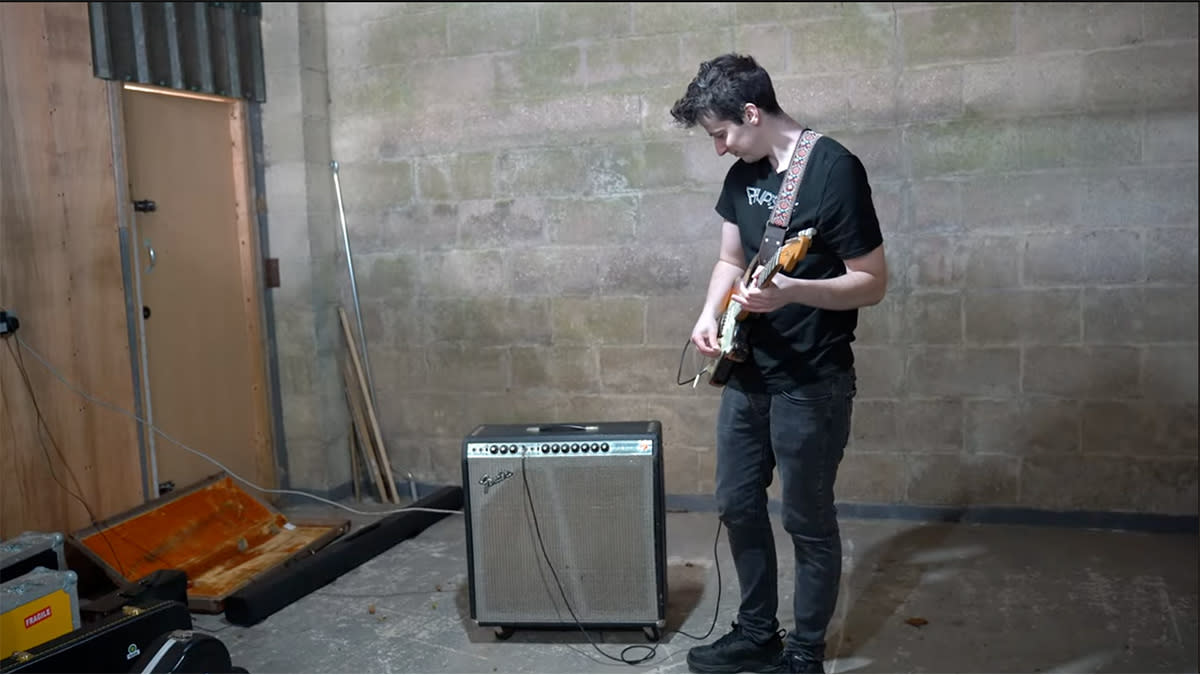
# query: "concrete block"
[[630, 61], [390, 40], [890, 198], [359, 13], [956, 33], [1095, 256], [372, 90], [1169, 372], [963, 371], [432, 81], [787, 12], [871, 97], [1022, 201], [283, 95], [456, 177], [872, 477], [937, 206], [1019, 316], [463, 273], [908, 425], [479, 28], [620, 168], [853, 41], [933, 317], [1140, 429], [963, 147], [884, 323], [932, 93], [962, 480], [1140, 314], [543, 72], [956, 262], [880, 371], [1111, 484], [1088, 373], [280, 30], [1171, 137], [700, 46], [1169, 20], [767, 43], [639, 370], [669, 321], [683, 472], [558, 368], [488, 321], [557, 271], [641, 271], [1054, 27], [816, 100], [283, 139], [373, 187], [588, 407], [1149, 196], [544, 171], [602, 220], [1145, 77], [560, 23], [502, 223], [651, 18], [467, 368], [671, 217], [1023, 427], [881, 150], [599, 321], [426, 414], [1024, 86], [398, 365], [389, 275], [1171, 255], [1079, 141], [421, 226]]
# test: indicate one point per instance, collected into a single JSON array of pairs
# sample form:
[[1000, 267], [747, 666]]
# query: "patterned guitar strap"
[[777, 224]]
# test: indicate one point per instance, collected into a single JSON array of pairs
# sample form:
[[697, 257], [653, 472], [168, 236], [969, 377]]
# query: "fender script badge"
[[488, 482]]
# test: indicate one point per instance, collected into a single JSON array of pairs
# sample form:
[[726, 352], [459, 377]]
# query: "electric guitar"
[[731, 331]]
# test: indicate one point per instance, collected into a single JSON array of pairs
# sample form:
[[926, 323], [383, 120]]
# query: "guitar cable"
[[650, 650]]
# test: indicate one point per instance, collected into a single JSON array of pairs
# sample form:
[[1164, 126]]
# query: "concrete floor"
[[996, 598]]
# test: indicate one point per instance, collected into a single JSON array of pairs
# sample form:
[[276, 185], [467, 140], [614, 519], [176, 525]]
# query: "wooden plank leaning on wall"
[[60, 272]]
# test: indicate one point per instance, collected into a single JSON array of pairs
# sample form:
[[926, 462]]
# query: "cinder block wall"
[[533, 238]]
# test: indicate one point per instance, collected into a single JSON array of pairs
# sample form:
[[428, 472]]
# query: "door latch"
[[145, 205]]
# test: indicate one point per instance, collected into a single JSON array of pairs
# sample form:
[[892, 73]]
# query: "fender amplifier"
[[565, 526]]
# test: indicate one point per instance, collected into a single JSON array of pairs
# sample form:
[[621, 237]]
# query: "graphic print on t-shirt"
[[759, 196]]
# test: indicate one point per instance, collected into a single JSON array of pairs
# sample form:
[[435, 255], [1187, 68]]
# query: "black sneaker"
[[736, 653], [795, 663]]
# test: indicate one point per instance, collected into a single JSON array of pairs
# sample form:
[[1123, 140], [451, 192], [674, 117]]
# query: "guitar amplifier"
[[565, 526]]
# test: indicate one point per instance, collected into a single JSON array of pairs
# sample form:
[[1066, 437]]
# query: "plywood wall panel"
[[60, 271]]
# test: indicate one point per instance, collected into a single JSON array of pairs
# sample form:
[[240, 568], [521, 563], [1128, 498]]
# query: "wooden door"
[[197, 258]]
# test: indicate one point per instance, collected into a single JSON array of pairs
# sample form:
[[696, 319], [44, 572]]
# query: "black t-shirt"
[[797, 344]]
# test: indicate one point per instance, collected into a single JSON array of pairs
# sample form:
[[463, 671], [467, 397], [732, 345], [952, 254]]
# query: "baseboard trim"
[[1159, 523], [989, 515]]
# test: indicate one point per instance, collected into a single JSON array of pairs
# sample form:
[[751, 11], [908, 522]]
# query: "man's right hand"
[[704, 336]]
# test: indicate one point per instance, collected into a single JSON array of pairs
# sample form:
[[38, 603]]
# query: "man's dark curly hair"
[[721, 90]]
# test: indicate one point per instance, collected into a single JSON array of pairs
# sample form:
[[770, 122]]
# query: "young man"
[[788, 404]]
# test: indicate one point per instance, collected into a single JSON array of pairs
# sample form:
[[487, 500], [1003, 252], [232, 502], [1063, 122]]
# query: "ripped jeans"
[[804, 433]]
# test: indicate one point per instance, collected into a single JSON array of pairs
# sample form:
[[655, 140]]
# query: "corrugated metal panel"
[[210, 47]]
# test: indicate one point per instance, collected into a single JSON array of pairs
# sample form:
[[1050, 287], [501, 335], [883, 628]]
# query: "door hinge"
[[271, 272]]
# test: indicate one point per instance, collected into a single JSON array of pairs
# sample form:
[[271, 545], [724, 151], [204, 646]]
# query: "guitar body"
[[732, 332]]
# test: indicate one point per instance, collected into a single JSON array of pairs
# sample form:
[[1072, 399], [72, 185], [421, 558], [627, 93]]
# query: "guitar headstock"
[[795, 248]]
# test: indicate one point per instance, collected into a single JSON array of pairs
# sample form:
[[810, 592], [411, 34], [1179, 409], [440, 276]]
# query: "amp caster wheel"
[[503, 633], [652, 633]]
